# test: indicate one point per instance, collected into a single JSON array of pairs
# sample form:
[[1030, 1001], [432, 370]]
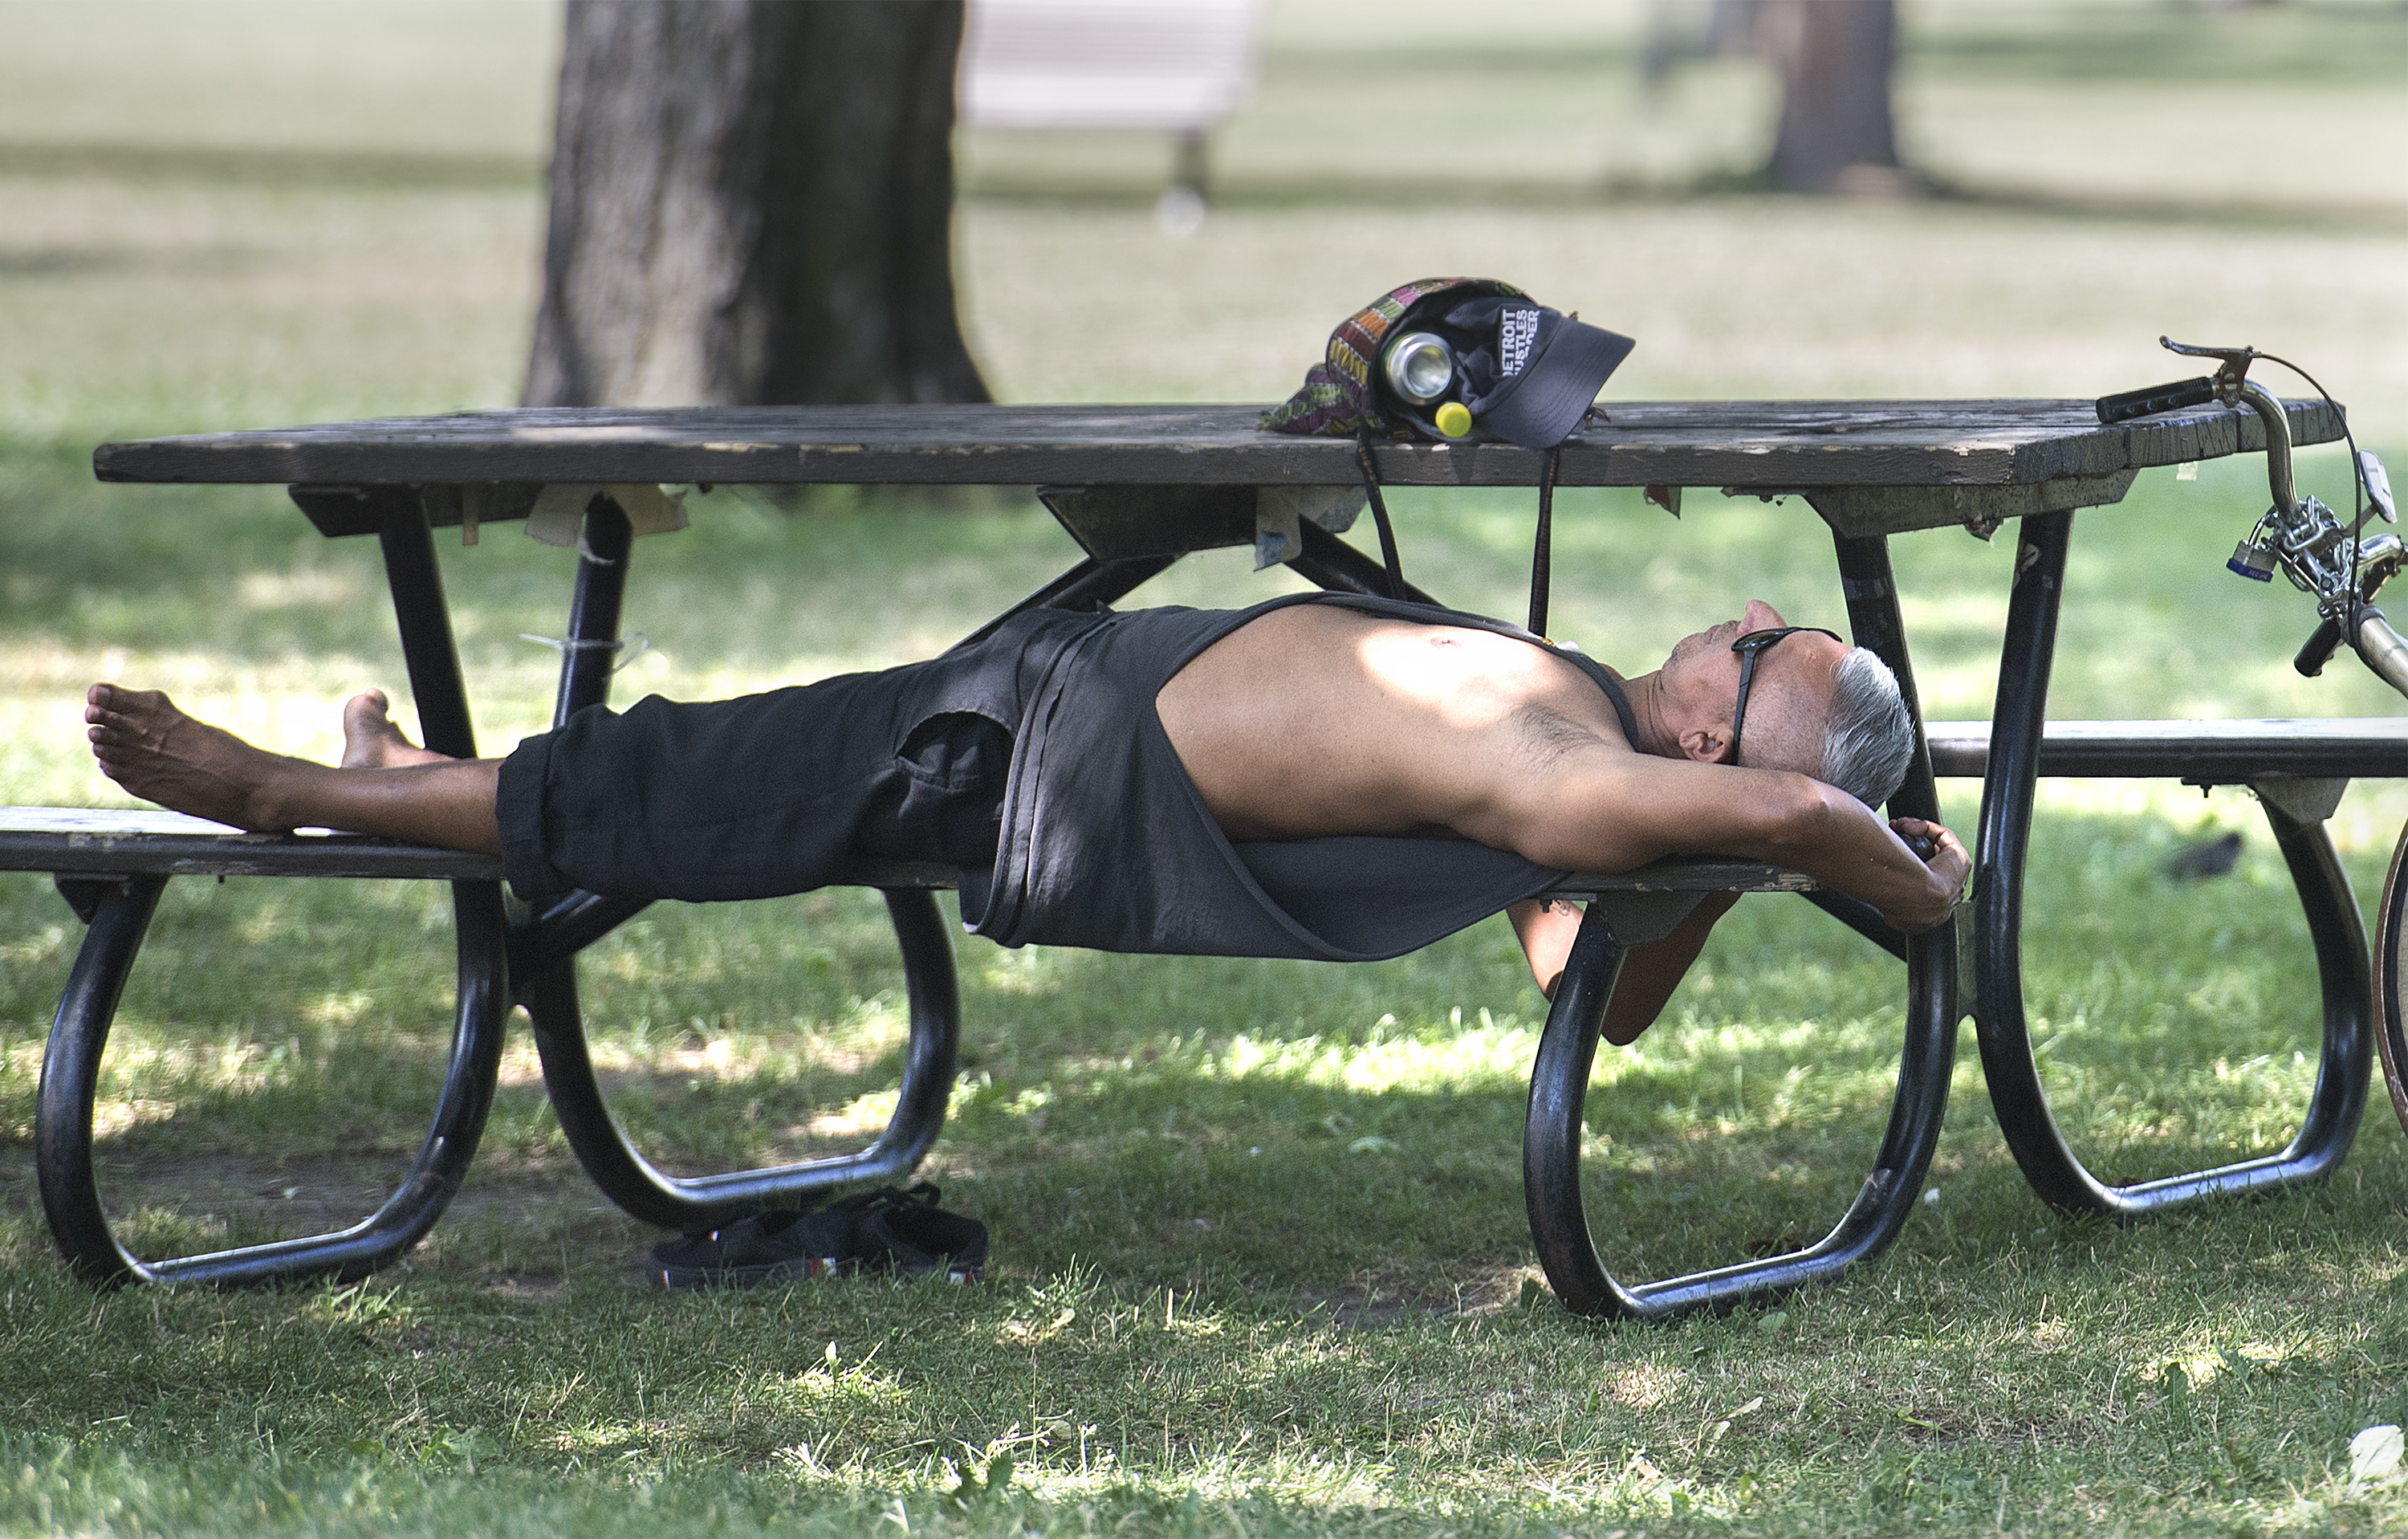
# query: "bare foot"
[[155, 751], [371, 740]]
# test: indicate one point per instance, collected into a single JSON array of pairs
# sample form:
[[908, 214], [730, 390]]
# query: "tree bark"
[[752, 204], [1834, 56]]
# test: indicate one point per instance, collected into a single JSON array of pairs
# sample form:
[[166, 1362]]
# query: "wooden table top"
[[1752, 445]]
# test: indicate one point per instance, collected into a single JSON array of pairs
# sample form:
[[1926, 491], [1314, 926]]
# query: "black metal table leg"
[[2007, 1061], [427, 650], [1870, 589], [673, 1202], [80, 1034], [1567, 1050], [1552, 1144], [62, 1142], [544, 947]]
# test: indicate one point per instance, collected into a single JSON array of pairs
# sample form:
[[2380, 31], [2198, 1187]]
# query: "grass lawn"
[[1261, 1264]]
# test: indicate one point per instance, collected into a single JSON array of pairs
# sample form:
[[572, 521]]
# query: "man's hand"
[[1947, 860]]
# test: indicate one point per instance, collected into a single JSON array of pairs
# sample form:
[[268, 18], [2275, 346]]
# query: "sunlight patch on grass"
[[233, 1064], [112, 1119], [1643, 1386], [639, 1048], [1022, 971], [48, 942], [865, 1114], [1495, 1052], [338, 1009], [303, 589]]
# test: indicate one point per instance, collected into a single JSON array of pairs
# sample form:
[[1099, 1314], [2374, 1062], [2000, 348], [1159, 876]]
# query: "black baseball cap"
[[1529, 374]]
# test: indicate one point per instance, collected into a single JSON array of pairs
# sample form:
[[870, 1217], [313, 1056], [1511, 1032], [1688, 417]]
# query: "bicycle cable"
[[2358, 491]]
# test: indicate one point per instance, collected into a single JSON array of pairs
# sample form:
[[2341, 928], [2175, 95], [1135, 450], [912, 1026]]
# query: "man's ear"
[[1704, 744]]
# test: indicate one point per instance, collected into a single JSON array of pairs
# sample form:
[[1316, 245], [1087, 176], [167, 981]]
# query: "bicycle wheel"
[[2389, 965]]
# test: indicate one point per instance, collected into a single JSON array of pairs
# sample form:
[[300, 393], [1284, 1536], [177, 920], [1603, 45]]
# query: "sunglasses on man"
[[1754, 645]]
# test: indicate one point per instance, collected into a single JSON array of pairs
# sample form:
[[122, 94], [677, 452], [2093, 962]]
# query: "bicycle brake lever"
[[2378, 485], [2235, 365]]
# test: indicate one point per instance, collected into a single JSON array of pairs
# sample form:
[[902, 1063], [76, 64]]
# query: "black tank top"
[[1106, 843]]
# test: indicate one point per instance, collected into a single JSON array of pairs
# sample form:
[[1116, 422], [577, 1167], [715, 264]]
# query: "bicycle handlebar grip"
[[2318, 649], [2165, 398]]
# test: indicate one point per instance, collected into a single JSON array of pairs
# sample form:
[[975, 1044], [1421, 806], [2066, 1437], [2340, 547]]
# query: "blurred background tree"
[[752, 204], [1835, 58]]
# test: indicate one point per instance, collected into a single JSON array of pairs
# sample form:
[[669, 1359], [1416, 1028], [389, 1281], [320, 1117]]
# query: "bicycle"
[[2344, 568]]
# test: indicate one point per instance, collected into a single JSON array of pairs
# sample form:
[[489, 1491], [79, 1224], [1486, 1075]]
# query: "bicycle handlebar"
[[2278, 442], [2384, 649], [2165, 398], [2301, 534]]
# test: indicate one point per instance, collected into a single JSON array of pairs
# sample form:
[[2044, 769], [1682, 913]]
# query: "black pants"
[[781, 792]]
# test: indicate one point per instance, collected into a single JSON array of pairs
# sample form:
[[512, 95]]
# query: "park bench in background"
[[1166, 66], [1139, 487]]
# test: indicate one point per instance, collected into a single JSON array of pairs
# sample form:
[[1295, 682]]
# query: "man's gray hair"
[[1869, 741]]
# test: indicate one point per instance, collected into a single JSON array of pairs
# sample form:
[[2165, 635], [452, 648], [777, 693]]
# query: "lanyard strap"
[[1542, 548], [1396, 588], [1542, 553]]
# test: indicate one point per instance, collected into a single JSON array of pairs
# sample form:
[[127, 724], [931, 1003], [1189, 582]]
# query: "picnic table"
[[1139, 487]]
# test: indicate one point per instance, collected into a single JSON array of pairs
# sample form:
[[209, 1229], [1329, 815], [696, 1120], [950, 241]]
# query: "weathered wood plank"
[[1767, 445], [1687, 873], [136, 842], [1675, 874], [112, 841], [1860, 510], [2225, 751]]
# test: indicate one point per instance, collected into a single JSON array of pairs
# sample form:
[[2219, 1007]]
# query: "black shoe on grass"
[[910, 1236], [899, 1234]]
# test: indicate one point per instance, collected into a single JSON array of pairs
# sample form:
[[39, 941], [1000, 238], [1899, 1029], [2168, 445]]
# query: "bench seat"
[[114, 842], [111, 841], [2223, 753]]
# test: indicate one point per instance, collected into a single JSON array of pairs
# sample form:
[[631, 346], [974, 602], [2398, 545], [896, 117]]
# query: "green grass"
[[1261, 1265], [1311, 1172]]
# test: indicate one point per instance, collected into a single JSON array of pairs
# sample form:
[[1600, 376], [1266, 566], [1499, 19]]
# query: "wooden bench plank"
[[2227, 751], [1771, 446], [1687, 873], [1680, 873], [80, 841], [111, 842]]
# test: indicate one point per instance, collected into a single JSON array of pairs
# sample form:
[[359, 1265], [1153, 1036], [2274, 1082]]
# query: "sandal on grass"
[[915, 1237], [902, 1234]]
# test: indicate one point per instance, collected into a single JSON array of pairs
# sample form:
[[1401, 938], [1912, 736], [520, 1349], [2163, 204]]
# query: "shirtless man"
[[1308, 720]]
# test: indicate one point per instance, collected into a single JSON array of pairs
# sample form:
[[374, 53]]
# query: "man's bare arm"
[[1616, 811]]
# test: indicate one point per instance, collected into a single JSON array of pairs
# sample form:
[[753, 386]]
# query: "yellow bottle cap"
[[1454, 419]]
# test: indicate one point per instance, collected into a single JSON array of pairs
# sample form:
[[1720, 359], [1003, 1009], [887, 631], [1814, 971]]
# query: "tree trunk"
[[1834, 57], [752, 204]]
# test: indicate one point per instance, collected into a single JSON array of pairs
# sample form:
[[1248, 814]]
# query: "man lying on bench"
[[1322, 776]]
